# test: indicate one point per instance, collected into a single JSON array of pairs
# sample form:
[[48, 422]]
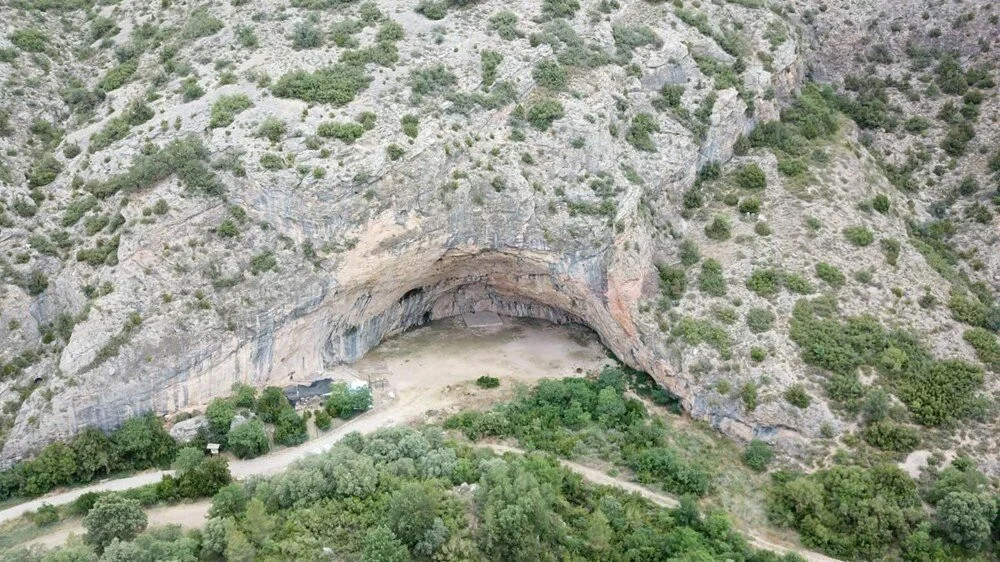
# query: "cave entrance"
[[429, 365]]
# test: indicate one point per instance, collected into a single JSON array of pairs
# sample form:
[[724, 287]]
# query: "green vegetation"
[[758, 455], [673, 281], [272, 129], [396, 495], [431, 80], [718, 229], [346, 132], [549, 74], [558, 416], [135, 114], [44, 171], [118, 76], [765, 282], [811, 117], [201, 24], [543, 112], [639, 132], [759, 320], [935, 391], [858, 236], [750, 176], [696, 332], [345, 402], [490, 61], [986, 346], [505, 24], [185, 157], [336, 85], [891, 436], [225, 109], [29, 40], [833, 276], [797, 396], [711, 281], [487, 381], [410, 124]]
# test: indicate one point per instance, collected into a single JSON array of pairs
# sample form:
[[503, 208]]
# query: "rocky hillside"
[[199, 193]]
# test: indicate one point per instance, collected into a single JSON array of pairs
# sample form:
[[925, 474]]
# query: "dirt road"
[[187, 515]]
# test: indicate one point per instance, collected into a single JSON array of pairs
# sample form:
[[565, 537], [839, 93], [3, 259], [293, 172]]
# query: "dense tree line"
[[408, 494]]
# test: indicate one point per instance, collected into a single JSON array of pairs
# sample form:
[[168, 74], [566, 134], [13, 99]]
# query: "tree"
[[290, 429], [383, 546], [270, 404], [113, 516], [412, 512], [93, 454], [258, 523], [238, 548], [54, 466], [323, 420], [248, 440], [244, 395], [186, 459], [230, 501], [220, 413], [965, 518], [204, 479], [345, 402], [141, 442]]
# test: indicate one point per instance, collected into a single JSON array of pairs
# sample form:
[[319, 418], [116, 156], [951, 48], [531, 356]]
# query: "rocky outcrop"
[[565, 226]]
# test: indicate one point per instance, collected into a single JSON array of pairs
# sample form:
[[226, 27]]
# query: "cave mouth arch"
[[515, 283]]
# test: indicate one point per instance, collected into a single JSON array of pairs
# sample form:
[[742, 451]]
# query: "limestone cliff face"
[[566, 224]]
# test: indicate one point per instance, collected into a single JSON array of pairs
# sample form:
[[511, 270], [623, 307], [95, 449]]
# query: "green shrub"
[[290, 429], [986, 346], [44, 171], [765, 282], [934, 390], [410, 125], [673, 281], [431, 80], [323, 420], [263, 262], [858, 235], [890, 436], [748, 394], [791, 167], [759, 320], [225, 109], [336, 85], [833, 276], [881, 203], [757, 354], [670, 97], [749, 206], [891, 249], [29, 40], [394, 152], [718, 229], [553, 9], [797, 396], [201, 24], [798, 284], [750, 176], [272, 129], [306, 36], [758, 455], [134, 114], [639, 132], [543, 112], [489, 61], [345, 402], [486, 381], [185, 157], [272, 162], [270, 404], [346, 132], [696, 332], [549, 74], [505, 24], [711, 281], [118, 76], [246, 37]]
